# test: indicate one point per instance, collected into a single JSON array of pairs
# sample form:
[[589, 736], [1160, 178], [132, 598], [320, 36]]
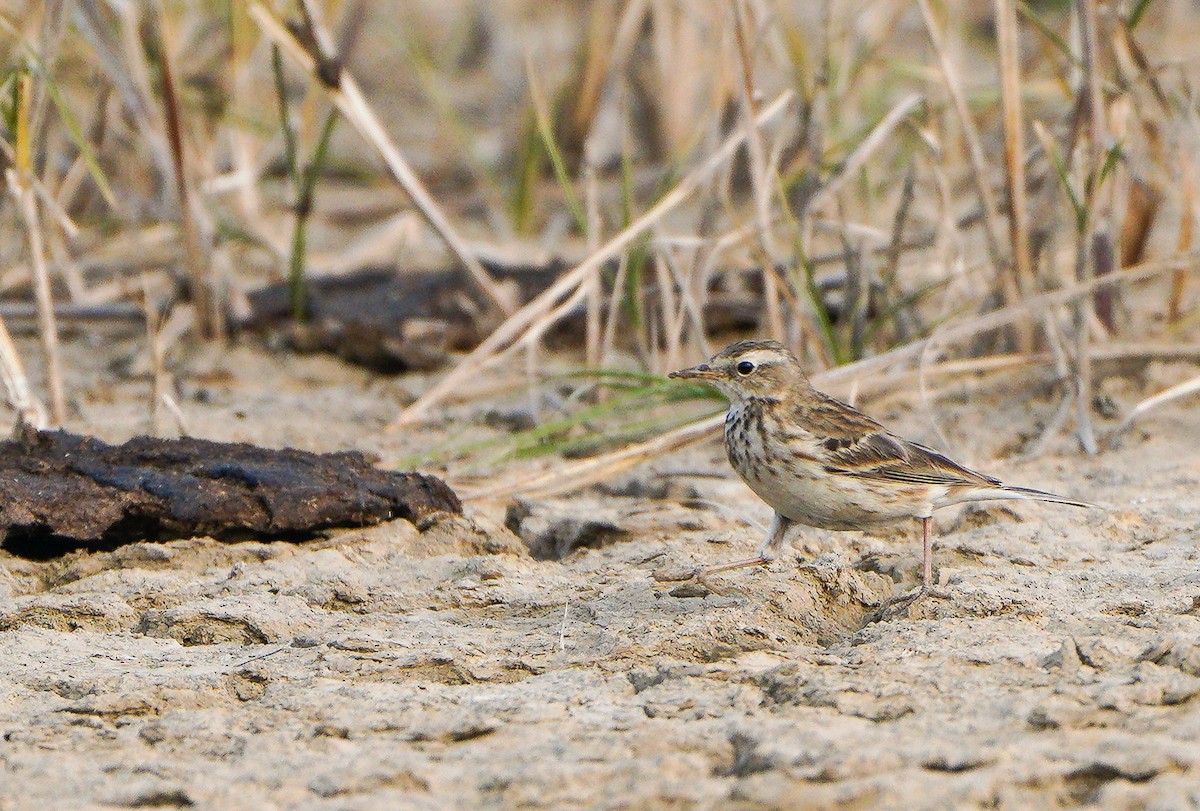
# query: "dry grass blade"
[[764, 181], [1014, 313], [862, 153], [30, 411], [530, 317], [20, 184], [595, 289], [1187, 218], [158, 354], [1174, 393], [1085, 265], [1008, 44], [127, 74], [208, 313], [50, 43], [47, 325], [565, 478], [978, 161], [350, 102], [897, 379], [542, 114]]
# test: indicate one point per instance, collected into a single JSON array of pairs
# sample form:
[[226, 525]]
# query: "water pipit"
[[820, 462]]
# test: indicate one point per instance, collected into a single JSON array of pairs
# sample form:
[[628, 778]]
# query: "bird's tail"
[[1009, 491]]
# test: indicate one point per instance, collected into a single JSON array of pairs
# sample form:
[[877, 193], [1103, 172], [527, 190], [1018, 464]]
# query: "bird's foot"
[[898, 606], [700, 574], [693, 581], [677, 573], [932, 592]]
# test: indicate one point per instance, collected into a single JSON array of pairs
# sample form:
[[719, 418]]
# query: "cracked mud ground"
[[449, 668]]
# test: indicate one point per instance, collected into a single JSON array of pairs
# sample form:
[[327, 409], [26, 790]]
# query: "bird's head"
[[749, 369]]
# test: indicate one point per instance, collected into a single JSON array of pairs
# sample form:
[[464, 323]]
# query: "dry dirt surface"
[[448, 667]]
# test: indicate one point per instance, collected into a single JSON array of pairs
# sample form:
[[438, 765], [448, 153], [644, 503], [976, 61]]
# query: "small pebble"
[[691, 590]]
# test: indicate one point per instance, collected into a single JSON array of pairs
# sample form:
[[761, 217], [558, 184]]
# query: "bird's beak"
[[701, 372]]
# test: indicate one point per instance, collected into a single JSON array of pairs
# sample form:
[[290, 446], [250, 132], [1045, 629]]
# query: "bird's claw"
[[893, 607], [677, 574]]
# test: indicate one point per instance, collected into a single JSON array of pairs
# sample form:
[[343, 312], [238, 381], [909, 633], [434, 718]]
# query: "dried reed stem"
[[863, 152], [614, 309], [977, 159], [20, 184], [591, 202], [1175, 392], [691, 287], [1085, 267], [764, 185], [30, 411], [1008, 44], [1187, 220], [47, 326], [209, 323], [565, 478], [673, 313]]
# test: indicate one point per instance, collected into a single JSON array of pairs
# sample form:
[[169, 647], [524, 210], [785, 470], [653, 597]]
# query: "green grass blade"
[[1060, 169], [529, 161], [601, 423], [1047, 31], [290, 152], [1135, 16], [81, 143], [1111, 158], [546, 133]]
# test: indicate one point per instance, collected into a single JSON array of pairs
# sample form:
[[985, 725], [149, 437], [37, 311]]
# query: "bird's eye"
[[745, 367]]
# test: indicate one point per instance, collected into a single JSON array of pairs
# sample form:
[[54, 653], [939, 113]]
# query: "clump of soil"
[[63, 489]]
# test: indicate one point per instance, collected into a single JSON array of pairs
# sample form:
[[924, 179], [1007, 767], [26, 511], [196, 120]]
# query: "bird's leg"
[[927, 552], [766, 553], [926, 588]]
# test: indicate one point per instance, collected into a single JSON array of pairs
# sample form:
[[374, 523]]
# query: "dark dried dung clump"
[[393, 320], [62, 490], [387, 320]]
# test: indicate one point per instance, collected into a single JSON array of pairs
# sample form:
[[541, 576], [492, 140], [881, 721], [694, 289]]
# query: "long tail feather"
[[1002, 492], [1041, 495]]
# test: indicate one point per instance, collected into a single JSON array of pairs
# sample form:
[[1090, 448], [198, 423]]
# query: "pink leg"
[[926, 588], [705, 571], [927, 557], [766, 553]]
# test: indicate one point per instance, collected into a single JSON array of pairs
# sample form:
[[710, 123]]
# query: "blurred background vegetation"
[[882, 184]]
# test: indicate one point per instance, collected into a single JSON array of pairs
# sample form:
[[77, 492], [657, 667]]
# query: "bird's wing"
[[885, 456], [853, 444], [829, 418]]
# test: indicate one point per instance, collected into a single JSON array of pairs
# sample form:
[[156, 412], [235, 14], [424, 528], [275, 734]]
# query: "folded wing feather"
[[857, 445]]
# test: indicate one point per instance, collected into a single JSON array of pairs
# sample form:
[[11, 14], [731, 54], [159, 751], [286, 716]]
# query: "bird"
[[823, 463]]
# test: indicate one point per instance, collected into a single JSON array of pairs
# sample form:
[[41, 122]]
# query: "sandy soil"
[[389, 668]]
